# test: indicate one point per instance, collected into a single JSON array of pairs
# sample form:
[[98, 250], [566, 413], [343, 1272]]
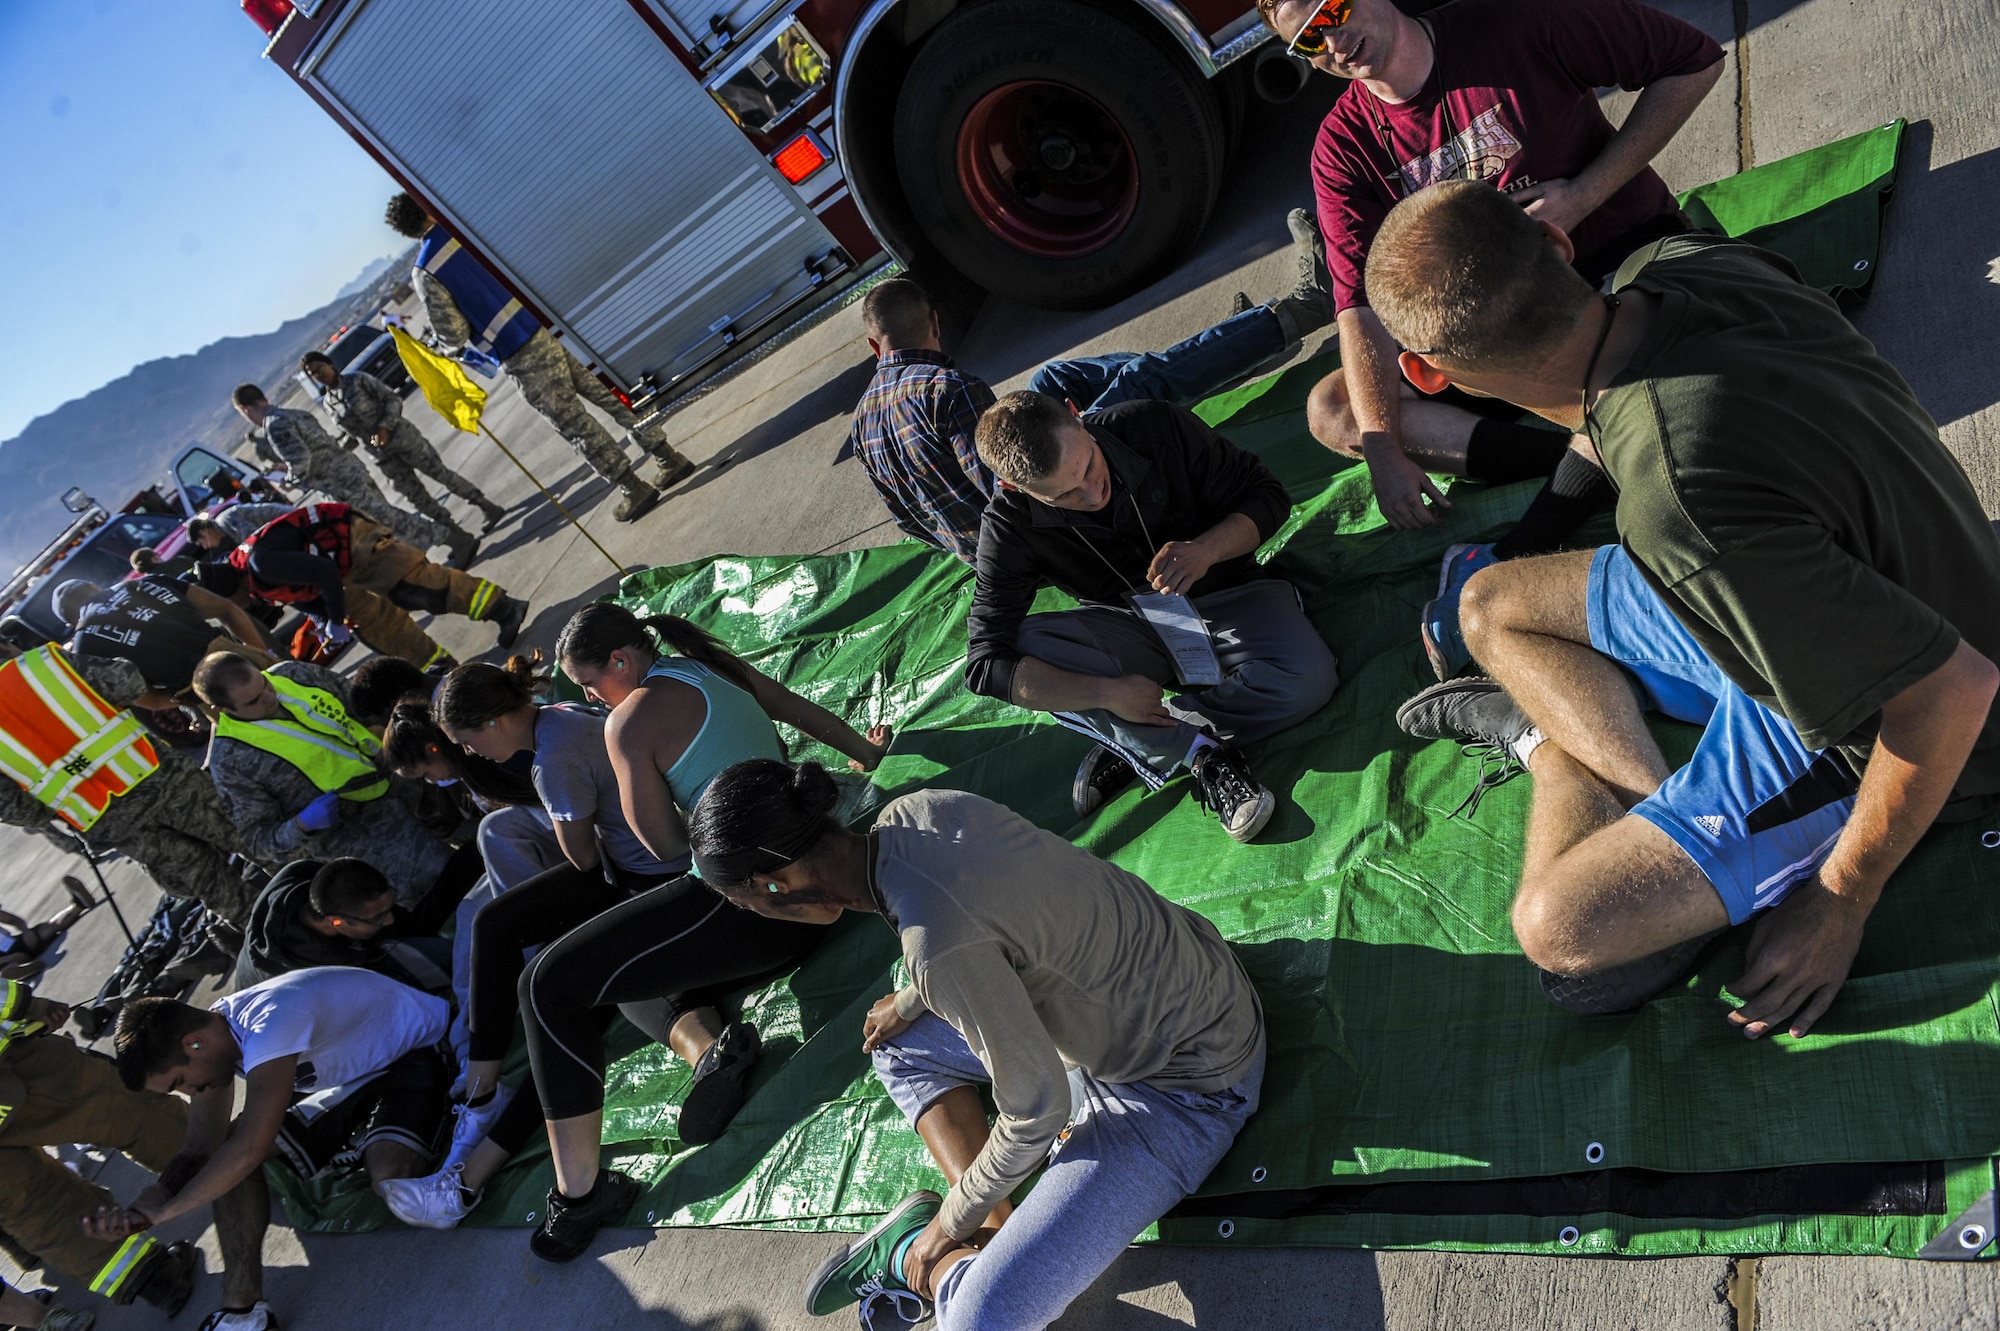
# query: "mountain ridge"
[[120, 437]]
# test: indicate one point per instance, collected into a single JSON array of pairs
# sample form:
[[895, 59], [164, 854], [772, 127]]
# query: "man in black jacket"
[[1140, 500], [342, 913]]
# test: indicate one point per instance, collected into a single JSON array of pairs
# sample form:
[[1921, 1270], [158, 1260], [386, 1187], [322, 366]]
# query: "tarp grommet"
[[531, 1217], [1259, 1174], [651, 1219], [1972, 1237], [1594, 1153], [1569, 1235], [1990, 840], [1861, 265], [1226, 1228]]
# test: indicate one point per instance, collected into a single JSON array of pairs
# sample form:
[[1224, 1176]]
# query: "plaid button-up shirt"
[[913, 434]]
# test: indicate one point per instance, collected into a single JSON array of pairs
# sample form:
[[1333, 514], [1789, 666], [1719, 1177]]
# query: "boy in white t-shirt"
[[336, 1061]]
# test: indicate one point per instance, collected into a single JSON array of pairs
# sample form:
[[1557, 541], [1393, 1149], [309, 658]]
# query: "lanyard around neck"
[[1143, 531]]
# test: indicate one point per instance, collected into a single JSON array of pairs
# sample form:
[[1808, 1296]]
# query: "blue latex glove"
[[321, 814]]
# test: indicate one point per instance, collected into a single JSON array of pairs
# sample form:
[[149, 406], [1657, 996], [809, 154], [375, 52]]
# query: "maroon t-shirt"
[[1519, 82]]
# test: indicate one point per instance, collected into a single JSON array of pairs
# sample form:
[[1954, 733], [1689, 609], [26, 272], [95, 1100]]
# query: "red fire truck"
[[669, 182]]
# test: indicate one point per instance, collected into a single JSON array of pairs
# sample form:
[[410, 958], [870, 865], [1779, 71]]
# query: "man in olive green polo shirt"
[[1803, 569]]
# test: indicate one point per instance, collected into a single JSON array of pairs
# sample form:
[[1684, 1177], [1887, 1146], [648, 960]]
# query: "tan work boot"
[[640, 499]]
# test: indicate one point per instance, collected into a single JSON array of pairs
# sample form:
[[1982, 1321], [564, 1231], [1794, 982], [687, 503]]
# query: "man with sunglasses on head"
[[1503, 91]]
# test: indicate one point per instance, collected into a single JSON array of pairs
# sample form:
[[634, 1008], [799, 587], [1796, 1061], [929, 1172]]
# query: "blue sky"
[[161, 185]]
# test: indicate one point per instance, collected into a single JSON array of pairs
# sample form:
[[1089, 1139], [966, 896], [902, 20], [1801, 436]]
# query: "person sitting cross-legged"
[[1119, 1035], [1804, 570], [913, 427], [1142, 498]]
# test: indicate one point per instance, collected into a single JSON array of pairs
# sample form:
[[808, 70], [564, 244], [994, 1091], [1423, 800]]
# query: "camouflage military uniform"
[[359, 406], [172, 824], [265, 794], [556, 385], [314, 459]]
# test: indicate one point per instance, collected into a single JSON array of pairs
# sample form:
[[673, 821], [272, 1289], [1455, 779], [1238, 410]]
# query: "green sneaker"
[[864, 1272]]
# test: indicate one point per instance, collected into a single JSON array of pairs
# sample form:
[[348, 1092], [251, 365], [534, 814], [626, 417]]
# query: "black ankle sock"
[[487, 1098], [1577, 492], [1501, 451]]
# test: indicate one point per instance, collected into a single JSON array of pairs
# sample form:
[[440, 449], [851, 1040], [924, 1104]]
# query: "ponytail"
[[411, 738], [596, 631], [471, 695], [758, 816]]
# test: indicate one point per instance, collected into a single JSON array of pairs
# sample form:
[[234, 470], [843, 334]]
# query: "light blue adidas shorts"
[[1754, 808]]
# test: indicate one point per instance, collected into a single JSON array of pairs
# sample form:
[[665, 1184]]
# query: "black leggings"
[[540, 910], [680, 942]]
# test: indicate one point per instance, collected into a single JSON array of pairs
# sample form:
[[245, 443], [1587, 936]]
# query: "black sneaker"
[[718, 1089], [1223, 785], [165, 1279], [1480, 715], [572, 1223], [1099, 778]]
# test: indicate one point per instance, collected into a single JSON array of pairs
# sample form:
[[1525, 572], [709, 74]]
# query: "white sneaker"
[[259, 1318], [474, 1124], [435, 1202]]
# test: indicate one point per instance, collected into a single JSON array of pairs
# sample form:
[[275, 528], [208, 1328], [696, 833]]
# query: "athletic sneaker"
[[1223, 784], [1480, 715], [436, 1201], [258, 1317], [1438, 626], [165, 1279], [572, 1223], [864, 1271], [68, 1319], [78, 893], [474, 1123], [1099, 778], [718, 1089]]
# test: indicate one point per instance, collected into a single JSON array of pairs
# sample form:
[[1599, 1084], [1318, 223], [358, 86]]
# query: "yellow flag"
[[447, 387]]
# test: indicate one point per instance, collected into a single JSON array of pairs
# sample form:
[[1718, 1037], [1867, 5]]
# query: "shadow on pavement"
[[1156, 1287], [834, 398], [1935, 313]]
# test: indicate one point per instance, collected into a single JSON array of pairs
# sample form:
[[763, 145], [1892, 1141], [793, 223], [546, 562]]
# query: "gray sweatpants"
[[1130, 1153], [516, 842], [1276, 671]]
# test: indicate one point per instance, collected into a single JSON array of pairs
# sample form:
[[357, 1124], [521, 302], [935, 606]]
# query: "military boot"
[[640, 499], [1308, 306], [493, 512]]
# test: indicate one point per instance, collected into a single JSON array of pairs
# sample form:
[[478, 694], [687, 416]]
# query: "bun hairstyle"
[[411, 738], [758, 816], [603, 627], [471, 695]]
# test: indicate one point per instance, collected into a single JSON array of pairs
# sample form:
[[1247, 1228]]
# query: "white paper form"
[[1180, 627]]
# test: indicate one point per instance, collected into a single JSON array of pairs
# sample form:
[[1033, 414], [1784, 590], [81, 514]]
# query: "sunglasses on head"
[[1326, 16]]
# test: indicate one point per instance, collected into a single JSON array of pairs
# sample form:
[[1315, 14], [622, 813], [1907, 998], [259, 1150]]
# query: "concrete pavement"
[[768, 443]]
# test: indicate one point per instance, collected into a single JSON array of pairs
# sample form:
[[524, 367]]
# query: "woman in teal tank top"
[[678, 720]]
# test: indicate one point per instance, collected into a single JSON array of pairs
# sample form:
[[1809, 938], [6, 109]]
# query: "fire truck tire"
[[1056, 154]]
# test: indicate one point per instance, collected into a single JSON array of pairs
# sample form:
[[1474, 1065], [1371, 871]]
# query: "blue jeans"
[[1131, 1152], [1186, 372]]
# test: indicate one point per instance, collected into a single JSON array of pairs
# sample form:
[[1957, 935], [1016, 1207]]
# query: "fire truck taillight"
[[801, 157], [268, 14]]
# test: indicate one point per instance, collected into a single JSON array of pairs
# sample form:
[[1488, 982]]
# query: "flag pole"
[[567, 515]]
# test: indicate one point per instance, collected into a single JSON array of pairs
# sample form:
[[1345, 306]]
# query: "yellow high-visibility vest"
[[62, 743], [315, 734]]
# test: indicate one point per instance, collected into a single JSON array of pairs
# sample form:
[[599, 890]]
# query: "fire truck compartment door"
[[568, 144]]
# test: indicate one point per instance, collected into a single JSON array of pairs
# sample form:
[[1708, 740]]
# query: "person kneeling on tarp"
[[334, 1061], [304, 780], [1150, 519], [1029, 958], [1805, 571]]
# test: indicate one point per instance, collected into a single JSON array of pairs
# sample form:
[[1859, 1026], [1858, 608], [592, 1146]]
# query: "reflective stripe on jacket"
[[65, 745], [314, 734]]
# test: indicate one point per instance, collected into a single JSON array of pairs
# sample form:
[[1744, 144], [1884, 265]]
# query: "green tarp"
[[1410, 1043]]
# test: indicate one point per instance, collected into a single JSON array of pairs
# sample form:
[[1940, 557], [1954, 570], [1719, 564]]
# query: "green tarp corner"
[[1414, 1060]]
